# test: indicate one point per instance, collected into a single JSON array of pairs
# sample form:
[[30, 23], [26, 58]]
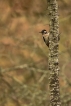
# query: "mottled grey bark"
[[53, 53]]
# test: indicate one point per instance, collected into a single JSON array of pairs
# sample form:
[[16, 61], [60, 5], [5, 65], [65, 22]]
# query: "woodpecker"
[[45, 36]]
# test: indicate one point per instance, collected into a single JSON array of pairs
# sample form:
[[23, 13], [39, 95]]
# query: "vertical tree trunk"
[[53, 53]]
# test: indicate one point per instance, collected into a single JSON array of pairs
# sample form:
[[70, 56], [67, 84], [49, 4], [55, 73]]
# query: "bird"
[[45, 36]]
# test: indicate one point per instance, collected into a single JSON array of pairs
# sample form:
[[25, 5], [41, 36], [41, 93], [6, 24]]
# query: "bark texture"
[[53, 53]]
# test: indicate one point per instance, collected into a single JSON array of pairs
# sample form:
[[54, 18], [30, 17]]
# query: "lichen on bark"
[[53, 53]]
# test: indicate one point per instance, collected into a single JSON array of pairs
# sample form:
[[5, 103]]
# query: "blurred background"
[[24, 55]]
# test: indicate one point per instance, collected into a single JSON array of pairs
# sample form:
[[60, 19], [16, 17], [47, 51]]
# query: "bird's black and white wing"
[[46, 39]]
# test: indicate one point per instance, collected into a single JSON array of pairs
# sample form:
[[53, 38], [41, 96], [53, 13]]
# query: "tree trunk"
[[53, 53]]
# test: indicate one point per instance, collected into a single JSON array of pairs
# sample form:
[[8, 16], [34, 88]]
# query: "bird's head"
[[43, 32]]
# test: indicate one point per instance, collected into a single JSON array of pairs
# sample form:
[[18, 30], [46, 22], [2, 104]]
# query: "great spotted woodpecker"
[[45, 36]]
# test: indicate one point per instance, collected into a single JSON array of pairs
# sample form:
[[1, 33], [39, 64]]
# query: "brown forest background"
[[24, 55]]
